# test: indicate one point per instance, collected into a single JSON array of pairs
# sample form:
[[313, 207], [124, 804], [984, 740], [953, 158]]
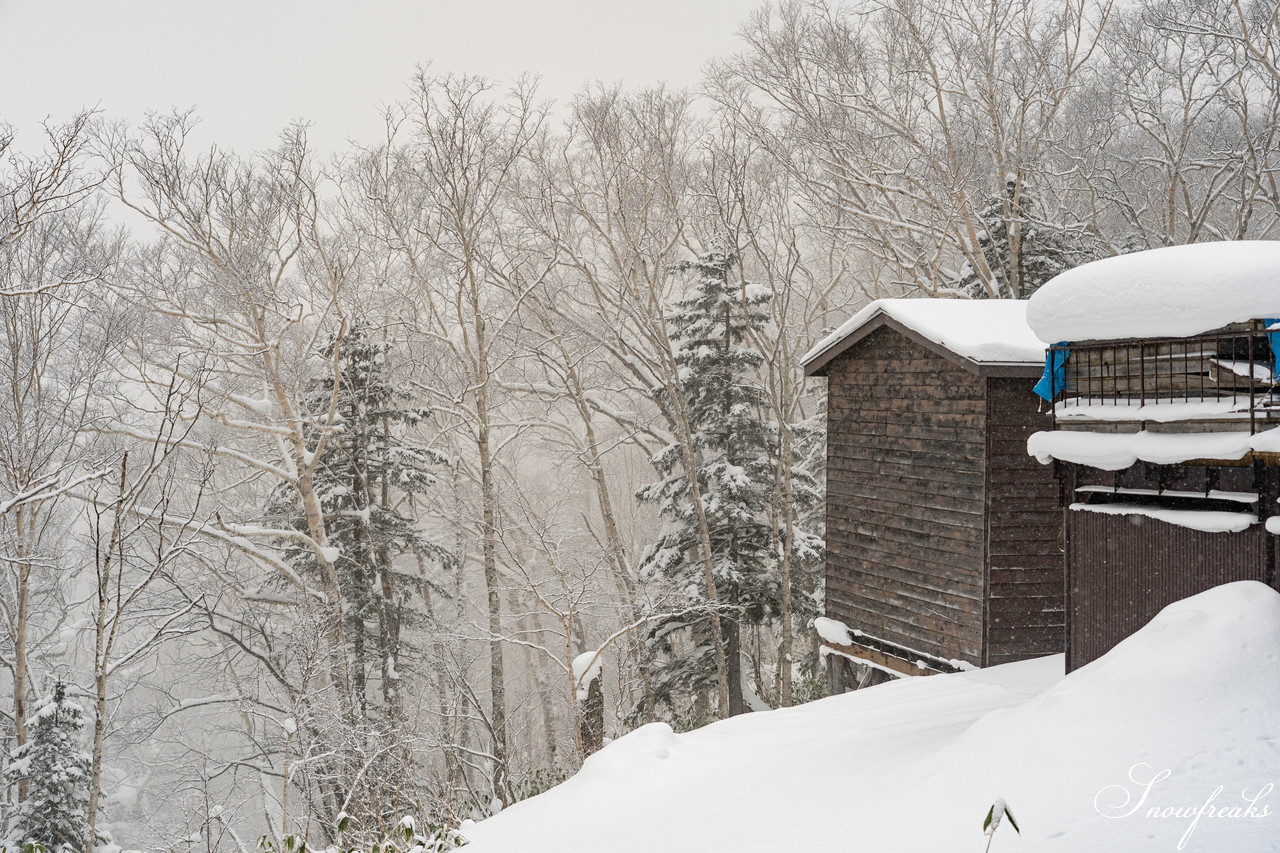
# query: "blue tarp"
[[1051, 384], [1274, 339]]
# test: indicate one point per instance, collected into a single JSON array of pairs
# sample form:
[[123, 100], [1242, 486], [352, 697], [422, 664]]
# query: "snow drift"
[[1171, 738], [1174, 291]]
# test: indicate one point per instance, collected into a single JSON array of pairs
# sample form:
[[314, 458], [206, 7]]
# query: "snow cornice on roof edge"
[[988, 336], [1174, 291]]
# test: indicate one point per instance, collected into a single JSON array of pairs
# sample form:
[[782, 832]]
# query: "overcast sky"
[[251, 66]]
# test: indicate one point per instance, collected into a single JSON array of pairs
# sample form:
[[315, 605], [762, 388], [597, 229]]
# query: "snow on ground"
[[1174, 291], [1184, 715], [985, 330]]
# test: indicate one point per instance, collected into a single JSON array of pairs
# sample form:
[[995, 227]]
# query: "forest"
[[346, 496]]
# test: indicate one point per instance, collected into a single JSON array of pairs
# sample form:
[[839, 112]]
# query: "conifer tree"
[[1043, 249], [718, 368], [362, 470], [56, 769]]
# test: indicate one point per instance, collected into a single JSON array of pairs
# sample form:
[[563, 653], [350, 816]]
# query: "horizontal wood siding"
[[1026, 583], [905, 446]]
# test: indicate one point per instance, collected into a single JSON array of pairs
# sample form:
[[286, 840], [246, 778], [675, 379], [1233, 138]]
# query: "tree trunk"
[[489, 557], [103, 641], [591, 719], [21, 672], [617, 554], [784, 567], [708, 558], [733, 655]]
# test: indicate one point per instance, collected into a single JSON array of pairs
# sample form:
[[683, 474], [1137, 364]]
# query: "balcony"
[[1221, 380]]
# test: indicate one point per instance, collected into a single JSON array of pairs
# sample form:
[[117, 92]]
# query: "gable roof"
[[986, 336]]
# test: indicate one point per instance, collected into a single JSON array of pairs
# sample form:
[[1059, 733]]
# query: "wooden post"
[[835, 675]]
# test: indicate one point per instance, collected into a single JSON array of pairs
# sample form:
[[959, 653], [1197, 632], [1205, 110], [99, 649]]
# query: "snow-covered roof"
[[984, 331], [1175, 291], [1114, 451]]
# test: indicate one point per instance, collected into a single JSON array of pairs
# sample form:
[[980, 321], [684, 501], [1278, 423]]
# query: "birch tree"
[[440, 198], [902, 119], [55, 334], [244, 285], [620, 218]]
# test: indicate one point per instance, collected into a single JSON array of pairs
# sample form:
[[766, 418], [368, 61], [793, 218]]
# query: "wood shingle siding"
[[942, 534], [1026, 592], [903, 495]]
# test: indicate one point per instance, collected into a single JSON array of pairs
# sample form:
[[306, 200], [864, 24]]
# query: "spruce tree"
[[718, 367], [56, 770], [1044, 250], [362, 470]]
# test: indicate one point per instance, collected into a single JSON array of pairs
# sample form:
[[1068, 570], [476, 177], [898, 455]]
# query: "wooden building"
[[943, 536], [1164, 429]]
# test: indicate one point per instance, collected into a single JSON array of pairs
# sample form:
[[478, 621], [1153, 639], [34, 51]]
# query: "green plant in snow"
[[999, 810], [54, 815]]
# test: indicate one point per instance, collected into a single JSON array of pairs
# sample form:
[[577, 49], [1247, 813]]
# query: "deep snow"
[[1173, 291], [1114, 451], [914, 765]]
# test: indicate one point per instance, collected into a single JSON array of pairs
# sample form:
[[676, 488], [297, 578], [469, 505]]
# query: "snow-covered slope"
[[914, 765]]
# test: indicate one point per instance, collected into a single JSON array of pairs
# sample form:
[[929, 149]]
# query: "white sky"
[[251, 67]]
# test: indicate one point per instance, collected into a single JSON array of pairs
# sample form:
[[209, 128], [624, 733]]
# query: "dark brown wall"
[[905, 496], [1123, 569], [1025, 607]]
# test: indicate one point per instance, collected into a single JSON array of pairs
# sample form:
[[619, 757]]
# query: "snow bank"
[[1177, 720], [1112, 451], [983, 330], [1170, 292]]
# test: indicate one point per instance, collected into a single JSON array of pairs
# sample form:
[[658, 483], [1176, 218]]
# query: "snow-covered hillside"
[[1171, 741]]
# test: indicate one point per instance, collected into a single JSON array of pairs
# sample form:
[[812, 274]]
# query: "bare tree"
[[1176, 139], [138, 545], [903, 119], [440, 195], [619, 218], [55, 332]]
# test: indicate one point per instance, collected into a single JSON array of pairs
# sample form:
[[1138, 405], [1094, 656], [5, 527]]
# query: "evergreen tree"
[[363, 469], [1044, 250], [360, 470], [718, 366], [56, 770]]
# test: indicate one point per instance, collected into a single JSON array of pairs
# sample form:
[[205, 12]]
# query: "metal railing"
[[1235, 364]]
